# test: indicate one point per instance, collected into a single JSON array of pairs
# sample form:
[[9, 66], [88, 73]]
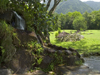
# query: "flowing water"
[[93, 62], [20, 22], [90, 67]]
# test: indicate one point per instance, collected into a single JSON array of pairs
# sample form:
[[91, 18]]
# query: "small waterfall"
[[19, 21]]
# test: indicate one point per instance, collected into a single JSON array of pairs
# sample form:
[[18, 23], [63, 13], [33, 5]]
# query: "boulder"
[[5, 71], [62, 34]]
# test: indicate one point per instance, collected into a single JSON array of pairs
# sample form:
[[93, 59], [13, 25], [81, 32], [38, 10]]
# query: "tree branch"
[[56, 2], [48, 4]]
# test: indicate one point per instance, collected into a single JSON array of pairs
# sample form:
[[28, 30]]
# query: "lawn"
[[91, 42]]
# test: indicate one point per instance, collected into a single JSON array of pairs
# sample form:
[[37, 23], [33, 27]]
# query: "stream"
[[90, 67], [93, 62]]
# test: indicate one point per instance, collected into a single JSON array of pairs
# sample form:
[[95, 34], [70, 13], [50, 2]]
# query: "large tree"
[[35, 14]]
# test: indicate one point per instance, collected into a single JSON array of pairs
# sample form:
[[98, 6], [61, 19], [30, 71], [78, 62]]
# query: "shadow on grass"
[[80, 46], [95, 47]]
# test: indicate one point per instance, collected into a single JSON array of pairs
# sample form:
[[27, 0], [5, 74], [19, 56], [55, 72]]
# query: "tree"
[[97, 21], [3, 4], [70, 18], [35, 14], [56, 2], [89, 19], [79, 23]]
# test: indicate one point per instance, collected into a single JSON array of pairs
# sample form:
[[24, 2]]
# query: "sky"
[[90, 0]]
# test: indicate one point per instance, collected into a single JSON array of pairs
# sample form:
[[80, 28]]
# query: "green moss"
[[6, 36]]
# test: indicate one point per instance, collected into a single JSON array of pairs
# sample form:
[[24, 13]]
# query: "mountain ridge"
[[93, 4], [73, 5]]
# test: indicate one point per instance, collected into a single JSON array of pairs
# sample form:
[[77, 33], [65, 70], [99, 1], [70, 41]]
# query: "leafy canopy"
[[79, 23]]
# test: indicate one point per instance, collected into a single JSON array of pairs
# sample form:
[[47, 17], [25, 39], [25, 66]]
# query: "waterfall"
[[19, 21]]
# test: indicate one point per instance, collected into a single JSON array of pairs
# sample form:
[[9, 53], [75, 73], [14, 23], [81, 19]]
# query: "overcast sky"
[[91, 0]]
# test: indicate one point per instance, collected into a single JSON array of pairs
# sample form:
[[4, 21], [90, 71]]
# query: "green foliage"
[[56, 21], [3, 5], [72, 6], [65, 21], [97, 21], [6, 41], [56, 34], [36, 50], [92, 19], [90, 44], [3, 53], [93, 4], [34, 13], [58, 59], [59, 30], [79, 23], [78, 62]]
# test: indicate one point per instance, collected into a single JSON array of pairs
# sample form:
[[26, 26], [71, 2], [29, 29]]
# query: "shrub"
[[56, 34], [7, 47]]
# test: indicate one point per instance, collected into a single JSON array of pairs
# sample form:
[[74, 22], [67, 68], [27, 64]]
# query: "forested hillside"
[[71, 6], [94, 5]]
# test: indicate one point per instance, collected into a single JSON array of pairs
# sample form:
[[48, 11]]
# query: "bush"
[[6, 38], [3, 5], [56, 34]]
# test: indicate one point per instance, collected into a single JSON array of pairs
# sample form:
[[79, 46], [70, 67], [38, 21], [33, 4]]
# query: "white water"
[[20, 22]]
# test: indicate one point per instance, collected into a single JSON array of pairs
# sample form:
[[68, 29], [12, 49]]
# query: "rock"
[[62, 34], [51, 73], [21, 62], [69, 37], [24, 37], [46, 62], [38, 72], [60, 51], [5, 71], [68, 52], [51, 51], [84, 67]]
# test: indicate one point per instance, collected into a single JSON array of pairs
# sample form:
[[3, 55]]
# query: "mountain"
[[71, 6], [94, 5]]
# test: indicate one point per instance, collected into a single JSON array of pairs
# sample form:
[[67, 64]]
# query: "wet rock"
[[84, 67]]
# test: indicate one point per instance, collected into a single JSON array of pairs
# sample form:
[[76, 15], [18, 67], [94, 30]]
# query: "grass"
[[90, 44]]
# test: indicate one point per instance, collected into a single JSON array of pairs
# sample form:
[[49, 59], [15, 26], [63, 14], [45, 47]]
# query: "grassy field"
[[91, 42]]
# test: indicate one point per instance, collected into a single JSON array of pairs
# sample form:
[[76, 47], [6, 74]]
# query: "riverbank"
[[90, 67]]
